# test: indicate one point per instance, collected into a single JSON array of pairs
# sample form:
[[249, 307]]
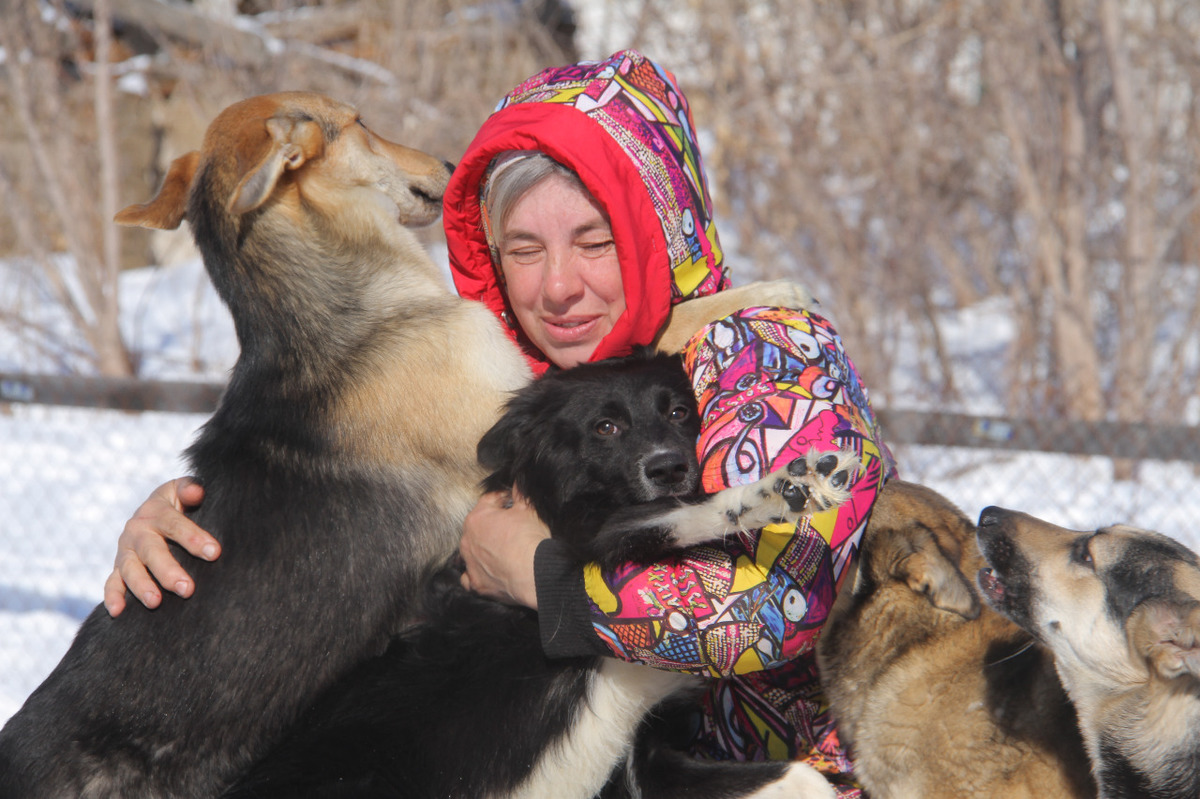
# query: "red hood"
[[625, 128]]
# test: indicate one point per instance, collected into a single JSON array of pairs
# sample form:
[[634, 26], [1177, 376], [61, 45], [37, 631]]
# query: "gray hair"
[[514, 173]]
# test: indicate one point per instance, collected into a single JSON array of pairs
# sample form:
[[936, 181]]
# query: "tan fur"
[[689, 317], [338, 465], [1134, 681], [323, 181], [936, 698]]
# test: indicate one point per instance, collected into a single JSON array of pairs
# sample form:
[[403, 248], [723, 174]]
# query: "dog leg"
[[799, 781], [808, 485], [619, 696], [670, 774]]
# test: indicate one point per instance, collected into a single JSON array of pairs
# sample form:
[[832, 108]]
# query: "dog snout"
[[992, 516], [666, 469]]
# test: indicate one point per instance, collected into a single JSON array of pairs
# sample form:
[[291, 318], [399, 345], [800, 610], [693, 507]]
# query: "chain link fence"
[[71, 476]]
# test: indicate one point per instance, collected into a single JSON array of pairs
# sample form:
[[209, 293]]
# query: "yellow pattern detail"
[[643, 100], [777, 748], [822, 523], [747, 574], [748, 662], [771, 541], [598, 590], [689, 274], [567, 94]]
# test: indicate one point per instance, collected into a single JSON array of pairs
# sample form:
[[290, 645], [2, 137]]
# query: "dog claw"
[[795, 495]]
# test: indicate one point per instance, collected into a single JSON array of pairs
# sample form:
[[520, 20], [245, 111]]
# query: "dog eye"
[[606, 427], [1081, 552], [678, 413]]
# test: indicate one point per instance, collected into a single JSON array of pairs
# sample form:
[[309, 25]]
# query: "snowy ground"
[[70, 477]]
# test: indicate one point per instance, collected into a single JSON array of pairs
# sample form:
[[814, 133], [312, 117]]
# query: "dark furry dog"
[[1120, 609], [330, 503], [466, 705]]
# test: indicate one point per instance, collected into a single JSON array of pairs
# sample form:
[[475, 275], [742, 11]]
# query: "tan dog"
[[1120, 609], [337, 468], [934, 698]]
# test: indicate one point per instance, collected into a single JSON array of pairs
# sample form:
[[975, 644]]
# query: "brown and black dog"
[[337, 468], [1120, 609], [935, 697]]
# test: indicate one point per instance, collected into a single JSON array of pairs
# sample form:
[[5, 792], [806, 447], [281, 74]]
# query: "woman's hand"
[[500, 536], [142, 548]]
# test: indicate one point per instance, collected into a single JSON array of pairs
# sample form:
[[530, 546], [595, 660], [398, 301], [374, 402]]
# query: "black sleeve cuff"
[[563, 607]]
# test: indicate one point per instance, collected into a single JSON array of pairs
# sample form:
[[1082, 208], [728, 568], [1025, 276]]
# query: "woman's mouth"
[[570, 330]]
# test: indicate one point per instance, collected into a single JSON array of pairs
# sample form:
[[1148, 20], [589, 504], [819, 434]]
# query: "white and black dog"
[[466, 704], [1120, 609]]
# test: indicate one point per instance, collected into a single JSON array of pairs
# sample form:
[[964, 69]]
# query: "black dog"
[[466, 704]]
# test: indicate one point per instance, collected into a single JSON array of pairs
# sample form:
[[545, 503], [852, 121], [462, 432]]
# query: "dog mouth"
[[420, 207], [991, 586], [426, 197]]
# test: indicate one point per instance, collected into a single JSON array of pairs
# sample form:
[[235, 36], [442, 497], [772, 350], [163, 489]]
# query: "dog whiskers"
[[1021, 651]]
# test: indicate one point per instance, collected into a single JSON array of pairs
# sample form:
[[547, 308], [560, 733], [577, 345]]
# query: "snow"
[[70, 477]]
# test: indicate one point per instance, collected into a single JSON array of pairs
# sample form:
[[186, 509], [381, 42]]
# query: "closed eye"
[[595, 249], [1081, 552]]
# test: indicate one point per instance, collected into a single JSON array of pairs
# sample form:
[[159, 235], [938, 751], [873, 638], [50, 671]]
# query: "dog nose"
[[666, 468], [990, 516]]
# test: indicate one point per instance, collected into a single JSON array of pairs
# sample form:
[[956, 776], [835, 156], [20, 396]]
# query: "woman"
[[580, 215]]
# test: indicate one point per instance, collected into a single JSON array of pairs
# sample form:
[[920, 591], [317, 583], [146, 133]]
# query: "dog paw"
[[820, 478], [817, 482]]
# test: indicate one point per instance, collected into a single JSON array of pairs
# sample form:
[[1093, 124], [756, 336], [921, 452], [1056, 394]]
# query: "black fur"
[[181, 700], [597, 442], [464, 704]]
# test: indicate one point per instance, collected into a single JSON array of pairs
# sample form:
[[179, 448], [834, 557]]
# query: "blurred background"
[[996, 203]]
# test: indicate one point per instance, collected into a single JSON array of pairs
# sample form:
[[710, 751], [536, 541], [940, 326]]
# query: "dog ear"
[[497, 450], [169, 206], [1167, 634], [293, 143], [918, 561]]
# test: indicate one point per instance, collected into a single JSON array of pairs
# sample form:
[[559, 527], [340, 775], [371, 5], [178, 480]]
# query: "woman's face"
[[560, 267]]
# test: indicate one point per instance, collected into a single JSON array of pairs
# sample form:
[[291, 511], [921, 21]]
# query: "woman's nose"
[[562, 283]]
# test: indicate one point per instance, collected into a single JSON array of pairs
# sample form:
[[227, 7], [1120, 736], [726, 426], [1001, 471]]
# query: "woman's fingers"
[[144, 561]]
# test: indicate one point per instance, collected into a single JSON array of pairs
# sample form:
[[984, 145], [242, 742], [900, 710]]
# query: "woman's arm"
[[142, 553], [771, 385]]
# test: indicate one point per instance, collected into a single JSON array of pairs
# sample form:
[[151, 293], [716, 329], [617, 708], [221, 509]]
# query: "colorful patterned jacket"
[[771, 384]]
